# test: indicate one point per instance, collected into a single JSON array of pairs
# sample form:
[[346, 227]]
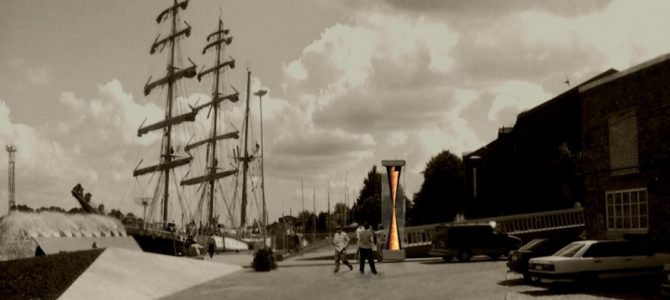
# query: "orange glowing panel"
[[394, 174]]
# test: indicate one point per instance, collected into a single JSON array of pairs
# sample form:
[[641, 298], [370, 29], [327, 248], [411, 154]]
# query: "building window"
[[627, 209], [623, 143]]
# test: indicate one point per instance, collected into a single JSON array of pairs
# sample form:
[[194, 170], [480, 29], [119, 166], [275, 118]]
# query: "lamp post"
[[260, 94], [474, 176]]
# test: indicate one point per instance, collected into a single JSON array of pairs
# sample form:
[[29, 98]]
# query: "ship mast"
[[211, 175], [246, 159], [174, 74]]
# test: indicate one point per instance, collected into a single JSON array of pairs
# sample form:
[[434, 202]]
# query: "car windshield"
[[531, 245], [569, 250]]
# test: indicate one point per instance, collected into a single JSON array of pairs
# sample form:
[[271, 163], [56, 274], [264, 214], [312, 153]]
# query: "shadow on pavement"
[[638, 288], [332, 264], [512, 282], [456, 261]]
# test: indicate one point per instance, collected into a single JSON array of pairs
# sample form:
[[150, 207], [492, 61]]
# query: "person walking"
[[365, 249], [211, 245], [341, 241], [358, 239]]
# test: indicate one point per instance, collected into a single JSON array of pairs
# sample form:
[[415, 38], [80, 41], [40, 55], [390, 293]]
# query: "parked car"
[[665, 286], [465, 240], [518, 259], [590, 260]]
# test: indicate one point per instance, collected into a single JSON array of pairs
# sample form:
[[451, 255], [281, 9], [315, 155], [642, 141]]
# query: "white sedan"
[[587, 260]]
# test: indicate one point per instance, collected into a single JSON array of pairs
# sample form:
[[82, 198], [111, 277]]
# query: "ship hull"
[[159, 241]]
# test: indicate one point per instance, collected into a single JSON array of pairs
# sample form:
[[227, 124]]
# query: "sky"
[[351, 83]]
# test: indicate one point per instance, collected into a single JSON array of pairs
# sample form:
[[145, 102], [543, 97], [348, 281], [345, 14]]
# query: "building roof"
[[624, 73]]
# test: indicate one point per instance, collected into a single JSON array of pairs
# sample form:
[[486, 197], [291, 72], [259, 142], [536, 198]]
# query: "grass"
[[45, 277]]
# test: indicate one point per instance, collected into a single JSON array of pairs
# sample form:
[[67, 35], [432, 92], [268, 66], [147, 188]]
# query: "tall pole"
[[346, 194], [11, 149], [302, 198], [328, 215], [245, 159], [213, 160], [167, 152], [314, 220], [260, 94]]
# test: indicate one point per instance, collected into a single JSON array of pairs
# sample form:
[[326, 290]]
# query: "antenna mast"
[[11, 149]]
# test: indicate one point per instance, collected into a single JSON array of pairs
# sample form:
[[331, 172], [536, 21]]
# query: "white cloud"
[[39, 76], [115, 109], [44, 166], [513, 97]]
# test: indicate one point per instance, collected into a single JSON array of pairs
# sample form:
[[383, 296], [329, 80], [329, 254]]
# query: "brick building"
[[604, 143], [626, 146], [532, 166]]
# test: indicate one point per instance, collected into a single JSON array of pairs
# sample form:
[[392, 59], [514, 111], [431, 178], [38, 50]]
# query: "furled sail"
[[163, 166], [187, 117], [183, 73], [230, 63], [208, 177], [230, 135], [161, 43]]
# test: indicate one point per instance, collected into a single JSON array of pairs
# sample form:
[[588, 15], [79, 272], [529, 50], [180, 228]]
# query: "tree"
[[76, 210], [368, 205], [441, 195], [115, 213], [337, 218], [23, 208], [50, 208]]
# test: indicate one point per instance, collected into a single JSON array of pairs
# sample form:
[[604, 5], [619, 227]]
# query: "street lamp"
[[260, 94], [474, 176]]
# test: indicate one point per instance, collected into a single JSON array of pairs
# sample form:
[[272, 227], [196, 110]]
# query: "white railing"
[[540, 221]]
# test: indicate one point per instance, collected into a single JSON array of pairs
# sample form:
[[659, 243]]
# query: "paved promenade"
[[310, 276]]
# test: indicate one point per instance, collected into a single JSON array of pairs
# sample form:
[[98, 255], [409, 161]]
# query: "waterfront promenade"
[[310, 276]]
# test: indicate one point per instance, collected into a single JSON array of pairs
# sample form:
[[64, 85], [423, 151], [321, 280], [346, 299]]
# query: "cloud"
[[422, 77], [513, 97], [44, 166], [497, 8], [114, 110], [39, 76], [375, 87], [34, 74]]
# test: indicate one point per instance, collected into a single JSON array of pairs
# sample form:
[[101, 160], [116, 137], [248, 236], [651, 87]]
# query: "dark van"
[[465, 240]]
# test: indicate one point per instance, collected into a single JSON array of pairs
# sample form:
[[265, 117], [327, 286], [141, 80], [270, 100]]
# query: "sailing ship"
[[164, 236]]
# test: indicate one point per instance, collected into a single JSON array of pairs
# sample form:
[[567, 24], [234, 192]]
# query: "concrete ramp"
[[126, 274]]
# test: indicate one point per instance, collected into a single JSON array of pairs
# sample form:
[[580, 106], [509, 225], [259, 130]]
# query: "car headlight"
[[542, 267]]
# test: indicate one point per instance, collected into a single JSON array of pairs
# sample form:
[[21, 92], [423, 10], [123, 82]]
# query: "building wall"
[[611, 146], [530, 167]]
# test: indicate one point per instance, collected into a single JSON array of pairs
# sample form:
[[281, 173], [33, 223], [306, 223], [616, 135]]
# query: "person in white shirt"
[[341, 241]]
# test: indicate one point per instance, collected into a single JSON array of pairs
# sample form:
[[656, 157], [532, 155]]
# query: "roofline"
[[624, 73]]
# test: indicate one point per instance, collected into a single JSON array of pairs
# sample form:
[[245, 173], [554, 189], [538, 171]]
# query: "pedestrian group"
[[366, 241]]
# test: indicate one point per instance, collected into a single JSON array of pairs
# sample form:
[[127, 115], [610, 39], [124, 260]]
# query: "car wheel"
[[527, 278], [464, 255], [496, 256], [447, 258]]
